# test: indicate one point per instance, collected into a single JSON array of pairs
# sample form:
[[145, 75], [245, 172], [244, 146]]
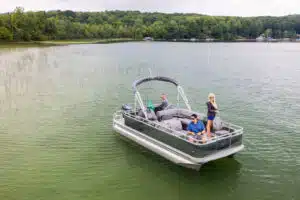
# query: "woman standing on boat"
[[212, 109]]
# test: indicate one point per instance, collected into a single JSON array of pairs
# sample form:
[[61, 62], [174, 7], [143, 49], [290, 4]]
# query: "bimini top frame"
[[138, 98]]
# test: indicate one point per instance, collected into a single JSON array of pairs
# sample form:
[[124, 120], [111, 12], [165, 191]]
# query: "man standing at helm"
[[163, 104]]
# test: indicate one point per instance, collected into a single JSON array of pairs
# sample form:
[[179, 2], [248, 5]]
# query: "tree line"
[[62, 25]]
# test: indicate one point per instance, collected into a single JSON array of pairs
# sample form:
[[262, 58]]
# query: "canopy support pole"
[[140, 101], [178, 99], [186, 101]]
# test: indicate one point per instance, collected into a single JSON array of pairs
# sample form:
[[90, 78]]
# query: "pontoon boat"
[[165, 132]]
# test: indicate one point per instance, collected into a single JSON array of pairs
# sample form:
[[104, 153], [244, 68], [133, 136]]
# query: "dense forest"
[[61, 25]]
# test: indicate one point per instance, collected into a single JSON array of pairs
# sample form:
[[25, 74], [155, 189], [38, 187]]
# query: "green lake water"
[[56, 137]]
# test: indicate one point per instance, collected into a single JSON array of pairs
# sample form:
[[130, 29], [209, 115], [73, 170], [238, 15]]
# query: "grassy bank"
[[63, 42], [101, 41], [86, 41]]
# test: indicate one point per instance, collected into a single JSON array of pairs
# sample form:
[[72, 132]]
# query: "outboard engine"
[[126, 108]]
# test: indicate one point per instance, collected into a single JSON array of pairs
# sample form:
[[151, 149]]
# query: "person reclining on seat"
[[163, 105], [196, 128]]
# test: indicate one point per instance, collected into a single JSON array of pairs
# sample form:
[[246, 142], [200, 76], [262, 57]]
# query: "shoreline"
[[50, 43], [228, 41]]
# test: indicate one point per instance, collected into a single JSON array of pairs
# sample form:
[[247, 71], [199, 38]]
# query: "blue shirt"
[[196, 128]]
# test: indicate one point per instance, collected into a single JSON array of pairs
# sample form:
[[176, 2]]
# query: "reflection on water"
[[183, 180], [17, 71], [25, 75]]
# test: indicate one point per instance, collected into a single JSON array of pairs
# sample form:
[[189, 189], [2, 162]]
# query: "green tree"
[[158, 30], [268, 32], [41, 25], [5, 34]]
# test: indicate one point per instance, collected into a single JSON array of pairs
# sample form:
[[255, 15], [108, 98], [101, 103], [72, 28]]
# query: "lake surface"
[[56, 138]]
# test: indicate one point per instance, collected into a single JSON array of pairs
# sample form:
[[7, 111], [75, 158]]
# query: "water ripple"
[[56, 133]]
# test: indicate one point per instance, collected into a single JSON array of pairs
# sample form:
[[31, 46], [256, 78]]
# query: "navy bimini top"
[[210, 109]]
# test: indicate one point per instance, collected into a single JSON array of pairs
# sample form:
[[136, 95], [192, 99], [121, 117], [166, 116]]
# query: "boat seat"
[[174, 124], [221, 132], [185, 121], [150, 114], [170, 106], [171, 113], [166, 114], [218, 125]]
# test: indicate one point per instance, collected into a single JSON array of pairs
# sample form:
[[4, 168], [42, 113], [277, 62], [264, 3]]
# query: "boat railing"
[[118, 115], [237, 130]]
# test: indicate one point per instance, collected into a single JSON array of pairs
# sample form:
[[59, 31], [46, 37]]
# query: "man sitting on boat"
[[163, 105], [196, 128]]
